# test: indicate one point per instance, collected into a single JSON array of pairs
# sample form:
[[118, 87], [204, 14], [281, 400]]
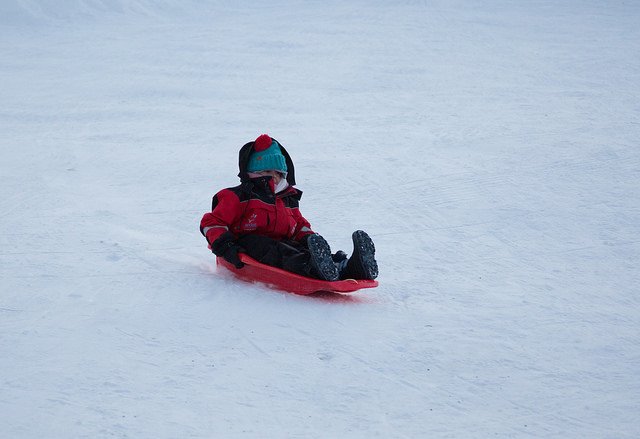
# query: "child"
[[260, 217]]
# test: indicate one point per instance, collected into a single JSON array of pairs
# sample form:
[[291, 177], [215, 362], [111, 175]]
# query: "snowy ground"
[[491, 149]]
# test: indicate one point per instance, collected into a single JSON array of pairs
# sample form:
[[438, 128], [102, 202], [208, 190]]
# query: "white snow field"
[[490, 148]]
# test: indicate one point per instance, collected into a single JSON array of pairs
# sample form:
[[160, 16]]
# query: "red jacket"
[[253, 208]]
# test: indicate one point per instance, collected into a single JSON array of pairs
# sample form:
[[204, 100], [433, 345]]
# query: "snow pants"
[[288, 255]]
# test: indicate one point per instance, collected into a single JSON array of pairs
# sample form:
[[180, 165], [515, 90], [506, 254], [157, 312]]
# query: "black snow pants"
[[288, 255]]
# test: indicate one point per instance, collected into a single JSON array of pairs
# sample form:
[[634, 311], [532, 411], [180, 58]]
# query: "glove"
[[231, 255], [227, 247], [339, 256]]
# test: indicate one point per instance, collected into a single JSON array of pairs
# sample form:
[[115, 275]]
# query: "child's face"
[[277, 176]]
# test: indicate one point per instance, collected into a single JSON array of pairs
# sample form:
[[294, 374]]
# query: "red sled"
[[254, 271]]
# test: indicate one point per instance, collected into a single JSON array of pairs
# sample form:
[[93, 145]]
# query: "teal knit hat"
[[267, 156]]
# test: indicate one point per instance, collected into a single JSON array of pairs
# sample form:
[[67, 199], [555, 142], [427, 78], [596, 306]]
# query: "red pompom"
[[262, 142]]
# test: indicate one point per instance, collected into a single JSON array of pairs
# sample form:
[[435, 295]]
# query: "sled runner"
[[254, 271]]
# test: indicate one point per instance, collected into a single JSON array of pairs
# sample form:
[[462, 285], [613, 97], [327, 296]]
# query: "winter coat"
[[253, 208]]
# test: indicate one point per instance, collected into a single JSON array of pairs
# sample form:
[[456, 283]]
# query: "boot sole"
[[366, 252], [321, 258]]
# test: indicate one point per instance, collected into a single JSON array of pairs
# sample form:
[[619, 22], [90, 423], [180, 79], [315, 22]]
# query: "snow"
[[489, 148]]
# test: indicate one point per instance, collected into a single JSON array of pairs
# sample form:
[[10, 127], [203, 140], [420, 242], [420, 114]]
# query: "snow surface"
[[491, 149]]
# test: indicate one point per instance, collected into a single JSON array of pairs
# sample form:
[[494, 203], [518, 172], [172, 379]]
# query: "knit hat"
[[267, 156]]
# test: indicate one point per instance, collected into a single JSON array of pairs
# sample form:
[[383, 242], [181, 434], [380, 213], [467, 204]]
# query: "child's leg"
[[362, 263], [321, 261], [314, 261], [276, 253]]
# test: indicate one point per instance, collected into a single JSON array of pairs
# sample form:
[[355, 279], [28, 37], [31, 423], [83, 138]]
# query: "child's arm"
[[225, 212], [303, 227]]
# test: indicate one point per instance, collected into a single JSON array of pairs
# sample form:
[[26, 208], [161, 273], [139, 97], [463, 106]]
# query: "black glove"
[[339, 256], [227, 247], [231, 255]]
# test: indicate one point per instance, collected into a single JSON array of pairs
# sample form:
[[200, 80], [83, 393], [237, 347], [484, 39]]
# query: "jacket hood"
[[248, 149]]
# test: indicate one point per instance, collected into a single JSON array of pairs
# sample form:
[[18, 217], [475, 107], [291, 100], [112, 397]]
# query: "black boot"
[[339, 256], [362, 263], [321, 262]]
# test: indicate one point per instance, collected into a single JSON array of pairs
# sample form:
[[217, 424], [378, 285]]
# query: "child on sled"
[[260, 217]]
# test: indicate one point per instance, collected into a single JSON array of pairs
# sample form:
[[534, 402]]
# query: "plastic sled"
[[254, 271]]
